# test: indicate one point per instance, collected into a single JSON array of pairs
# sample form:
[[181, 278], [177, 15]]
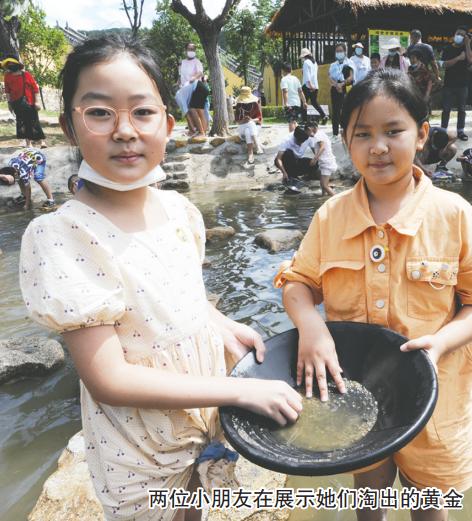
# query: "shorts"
[[327, 171], [248, 131], [293, 113], [431, 157], [199, 96]]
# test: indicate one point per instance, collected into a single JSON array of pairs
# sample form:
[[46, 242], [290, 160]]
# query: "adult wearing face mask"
[[193, 92], [360, 61], [22, 92], [456, 58], [394, 58], [341, 74]]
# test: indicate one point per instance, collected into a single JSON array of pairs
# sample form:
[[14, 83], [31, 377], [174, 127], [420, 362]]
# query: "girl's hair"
[[341, 44], [390, 83], [375, 56], [310, 57], [101, 50], [14, 67]]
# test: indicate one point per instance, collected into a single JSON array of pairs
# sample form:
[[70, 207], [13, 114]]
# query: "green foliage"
[[168, 37], [269, 47], [241, 38], [273, 111], [42, 48], [9, 7]]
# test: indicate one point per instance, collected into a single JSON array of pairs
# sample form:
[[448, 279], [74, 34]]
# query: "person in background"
[[248, 116], [360, 61], [420, 74], [74, 184], [291, 160], [375, 61], [439, 148], [259, 93], [427, 53], [22, 92], [310, 83], [456, 58], [466, 162], [29, 163], [323, 157], [293, 99], [394, 58], [193, 93], [339, 77]]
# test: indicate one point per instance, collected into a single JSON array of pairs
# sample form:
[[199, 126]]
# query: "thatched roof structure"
[[437, 15]]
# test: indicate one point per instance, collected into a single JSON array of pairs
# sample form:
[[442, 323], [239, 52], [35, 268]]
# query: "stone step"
[[180, 175], [173, 167]]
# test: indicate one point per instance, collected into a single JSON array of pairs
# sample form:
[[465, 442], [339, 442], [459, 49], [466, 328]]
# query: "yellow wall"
[[232, 80], [274, 94]]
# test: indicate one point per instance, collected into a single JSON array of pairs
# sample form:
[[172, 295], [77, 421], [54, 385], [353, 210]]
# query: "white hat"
[[393, 43], [305, 52], [358, 44]]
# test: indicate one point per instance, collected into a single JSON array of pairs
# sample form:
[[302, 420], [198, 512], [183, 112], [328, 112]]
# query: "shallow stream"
[[39, 415]]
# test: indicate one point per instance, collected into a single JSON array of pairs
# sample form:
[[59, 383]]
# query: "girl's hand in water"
[[316, 352], [272, 398]]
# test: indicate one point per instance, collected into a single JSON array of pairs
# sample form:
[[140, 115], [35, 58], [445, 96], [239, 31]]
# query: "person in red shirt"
[[248, 116], [21, 90]]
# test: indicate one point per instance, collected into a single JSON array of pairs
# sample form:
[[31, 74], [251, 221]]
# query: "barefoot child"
[[117, 270], [373, 254]]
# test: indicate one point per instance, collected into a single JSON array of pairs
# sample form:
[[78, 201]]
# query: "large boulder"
[[279, 239], [30, 356], [219, 232]]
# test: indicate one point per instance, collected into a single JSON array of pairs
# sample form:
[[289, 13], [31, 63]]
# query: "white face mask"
[[89, 174], [458, 39], [191, 54]]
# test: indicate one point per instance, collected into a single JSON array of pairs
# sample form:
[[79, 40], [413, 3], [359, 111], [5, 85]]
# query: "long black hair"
[[104, 49], [391, 83]]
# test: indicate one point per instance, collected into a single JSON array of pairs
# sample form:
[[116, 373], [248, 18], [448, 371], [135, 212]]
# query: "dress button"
[[380, 304], [382, 268], [415, 274], [380, 234]]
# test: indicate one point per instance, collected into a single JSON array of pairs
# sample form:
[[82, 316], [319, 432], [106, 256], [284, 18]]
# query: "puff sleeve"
[[305, 265], [68, 279]]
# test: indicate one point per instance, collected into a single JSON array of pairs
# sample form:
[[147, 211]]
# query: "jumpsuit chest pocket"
[[343, 283], [430, 286]]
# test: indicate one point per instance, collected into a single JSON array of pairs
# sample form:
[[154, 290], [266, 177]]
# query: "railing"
[[230, 62]]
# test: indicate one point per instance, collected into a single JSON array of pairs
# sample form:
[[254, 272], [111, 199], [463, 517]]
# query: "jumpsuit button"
[[415, 274], [380, 234], [380, 304], [382, 268]]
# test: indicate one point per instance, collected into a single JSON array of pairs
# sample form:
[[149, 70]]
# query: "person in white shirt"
[[323, 156], [360, 61], [290, 158], [293, 99], [193, 92], [310, 82], [341, 74]]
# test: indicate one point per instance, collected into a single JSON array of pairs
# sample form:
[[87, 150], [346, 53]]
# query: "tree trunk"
[[9, 36], [220, 108]]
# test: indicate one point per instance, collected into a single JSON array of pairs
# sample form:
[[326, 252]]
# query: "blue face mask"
[[340, 56], [458, 39], [358, 51]]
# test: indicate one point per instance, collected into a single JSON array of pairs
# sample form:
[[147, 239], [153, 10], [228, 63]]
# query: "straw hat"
[[305, 52], [246, 96], [393, 43]]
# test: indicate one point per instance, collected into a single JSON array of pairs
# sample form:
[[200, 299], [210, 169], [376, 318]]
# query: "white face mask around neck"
[[87, 173]]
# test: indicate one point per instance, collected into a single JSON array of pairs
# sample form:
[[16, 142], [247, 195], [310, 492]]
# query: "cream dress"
[[77, 269]]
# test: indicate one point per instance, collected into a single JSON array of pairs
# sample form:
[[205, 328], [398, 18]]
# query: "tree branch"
[[140, 13], [179, 7], [229, 4], [125, 7]]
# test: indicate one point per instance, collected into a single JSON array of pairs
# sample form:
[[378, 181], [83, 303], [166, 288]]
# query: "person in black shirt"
[[456, 57], [426, 51]]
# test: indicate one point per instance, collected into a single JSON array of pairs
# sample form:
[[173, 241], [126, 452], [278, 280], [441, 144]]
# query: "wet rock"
[[252, 477], [232, 150], [178, 158], [30, 356], [217, 141], [181, 142], [68, 494], [180, 175], [175, 184], [279, 239], [206, 262], [197, 140], [173, 167], [220, 232], [202, 149], [171, 145], [213, 299], [234, 139]]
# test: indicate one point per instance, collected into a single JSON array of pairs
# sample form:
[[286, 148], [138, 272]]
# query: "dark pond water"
[[38, 416]]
